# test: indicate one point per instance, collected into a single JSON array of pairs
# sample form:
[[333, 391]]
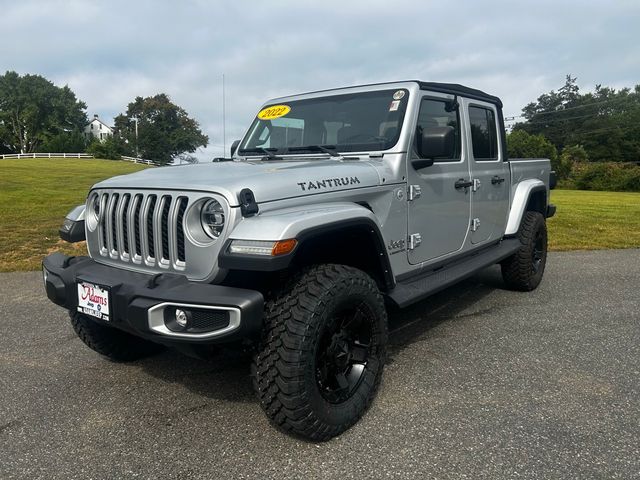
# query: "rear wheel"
[[322, 353], [524, 269], [111, 342]]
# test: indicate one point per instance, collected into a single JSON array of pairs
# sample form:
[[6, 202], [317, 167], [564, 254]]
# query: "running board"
[[414, 289]]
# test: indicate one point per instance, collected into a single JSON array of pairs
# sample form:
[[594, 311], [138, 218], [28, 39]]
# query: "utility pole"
[[224, 122]]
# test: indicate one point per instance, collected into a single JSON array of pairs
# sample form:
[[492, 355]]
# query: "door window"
[[435, 113], [484, 136]]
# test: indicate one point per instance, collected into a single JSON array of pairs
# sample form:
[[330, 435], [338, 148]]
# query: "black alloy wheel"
[[322, 351], [538, 251], [343, 353], [524, 269]]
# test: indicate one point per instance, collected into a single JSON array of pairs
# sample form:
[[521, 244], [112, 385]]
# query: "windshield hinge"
[[248, 205]]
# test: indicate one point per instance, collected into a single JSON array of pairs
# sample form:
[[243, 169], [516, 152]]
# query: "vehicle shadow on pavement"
[[226, 376], [409, 325]]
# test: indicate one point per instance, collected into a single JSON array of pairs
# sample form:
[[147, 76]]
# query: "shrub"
[[112, 147], [568, 158], [562, 166], [608, 176], [66, 142]]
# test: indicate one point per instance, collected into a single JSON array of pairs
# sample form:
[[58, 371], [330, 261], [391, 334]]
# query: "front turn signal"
[[282, 247]]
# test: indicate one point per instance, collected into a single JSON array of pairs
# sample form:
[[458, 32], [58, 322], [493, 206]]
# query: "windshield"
[[354, 122]]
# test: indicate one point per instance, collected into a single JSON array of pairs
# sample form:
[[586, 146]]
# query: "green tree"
[[33, 110], [575, 153], [520, 144], [606, 122], [112, 147], [550, 114], [65, 142], [164, 129]]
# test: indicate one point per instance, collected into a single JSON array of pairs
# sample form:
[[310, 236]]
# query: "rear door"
[[490, 173], [438, 212]]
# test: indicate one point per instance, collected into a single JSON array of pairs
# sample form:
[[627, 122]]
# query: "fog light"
[[181, 318]]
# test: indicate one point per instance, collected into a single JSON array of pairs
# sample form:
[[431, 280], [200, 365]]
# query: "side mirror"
[[234, 147], [435, 142]]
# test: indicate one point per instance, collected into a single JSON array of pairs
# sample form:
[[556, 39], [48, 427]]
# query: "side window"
[[433, 113], [484, 137]]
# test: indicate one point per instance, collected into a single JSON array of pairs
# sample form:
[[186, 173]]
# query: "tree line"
[[38, 116], [592, 138]]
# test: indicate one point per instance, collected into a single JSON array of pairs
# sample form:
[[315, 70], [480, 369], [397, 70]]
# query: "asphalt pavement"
[[481, 383]]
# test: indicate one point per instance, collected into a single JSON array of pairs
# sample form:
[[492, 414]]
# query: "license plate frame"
[[94, 300]]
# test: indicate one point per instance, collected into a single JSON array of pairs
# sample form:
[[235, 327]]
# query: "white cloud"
[[111, 52]]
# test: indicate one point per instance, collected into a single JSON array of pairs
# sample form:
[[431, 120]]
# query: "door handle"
[[462, 183], [496, 180]]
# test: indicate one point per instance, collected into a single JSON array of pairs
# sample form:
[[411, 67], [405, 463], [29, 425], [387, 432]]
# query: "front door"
[[490, 173], [438, 212]]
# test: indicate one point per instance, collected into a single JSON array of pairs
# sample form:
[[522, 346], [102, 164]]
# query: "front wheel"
[[322, 353], [524, 269]]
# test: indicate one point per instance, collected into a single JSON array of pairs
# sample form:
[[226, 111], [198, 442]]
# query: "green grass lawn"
[[36, 194], [588, 220]]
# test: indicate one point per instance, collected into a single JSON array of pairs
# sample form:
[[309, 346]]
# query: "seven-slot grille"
[[143, 228]]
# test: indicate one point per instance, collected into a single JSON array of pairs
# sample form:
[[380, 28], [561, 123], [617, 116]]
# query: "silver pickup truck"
[[333, 205]]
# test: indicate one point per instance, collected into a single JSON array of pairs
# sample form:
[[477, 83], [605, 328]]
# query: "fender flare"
[[302, 223], [521, 197]]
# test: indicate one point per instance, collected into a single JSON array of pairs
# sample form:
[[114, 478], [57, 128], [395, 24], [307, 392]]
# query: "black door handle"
[[496, 180], [462, 183]]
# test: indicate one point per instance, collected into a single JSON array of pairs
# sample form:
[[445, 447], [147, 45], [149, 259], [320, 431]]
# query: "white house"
[[98, 129]]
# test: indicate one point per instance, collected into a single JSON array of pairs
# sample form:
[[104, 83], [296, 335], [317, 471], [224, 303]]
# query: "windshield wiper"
[[330, 149], [268, 151]]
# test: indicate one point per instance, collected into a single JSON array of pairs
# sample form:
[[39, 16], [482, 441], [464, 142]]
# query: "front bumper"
[[136, 300]]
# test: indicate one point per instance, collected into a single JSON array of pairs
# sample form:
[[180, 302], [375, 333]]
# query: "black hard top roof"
[[450, 88], [457, 89]]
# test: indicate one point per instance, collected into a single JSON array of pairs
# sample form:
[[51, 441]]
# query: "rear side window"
[[484, 136], [434, 113]]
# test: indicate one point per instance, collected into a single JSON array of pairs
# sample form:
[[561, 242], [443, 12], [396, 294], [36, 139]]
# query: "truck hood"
[[269, 180]]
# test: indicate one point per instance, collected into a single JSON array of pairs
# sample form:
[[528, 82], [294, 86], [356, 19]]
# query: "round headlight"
[[212, 218], [92, 214]]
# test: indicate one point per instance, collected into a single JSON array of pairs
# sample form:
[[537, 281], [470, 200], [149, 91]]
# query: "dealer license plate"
[[93, 300]]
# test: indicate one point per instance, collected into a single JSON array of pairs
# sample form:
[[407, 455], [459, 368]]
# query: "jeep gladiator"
[[333, 206]]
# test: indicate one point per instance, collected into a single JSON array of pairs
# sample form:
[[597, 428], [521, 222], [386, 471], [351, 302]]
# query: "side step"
[[432, 281]]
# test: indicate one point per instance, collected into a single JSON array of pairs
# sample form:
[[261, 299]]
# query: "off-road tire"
[[115, 344], [284, 369], [524, 269]]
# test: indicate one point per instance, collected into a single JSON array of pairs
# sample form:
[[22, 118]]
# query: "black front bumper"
[[133, 294]]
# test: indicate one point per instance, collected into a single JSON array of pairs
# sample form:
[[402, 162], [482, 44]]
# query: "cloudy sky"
[[109, 52]]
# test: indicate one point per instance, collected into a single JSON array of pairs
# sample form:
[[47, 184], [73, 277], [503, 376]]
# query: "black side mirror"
[[234, 147], [434, 142]]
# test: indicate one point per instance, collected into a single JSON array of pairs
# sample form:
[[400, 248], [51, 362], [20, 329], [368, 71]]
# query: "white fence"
[[46, 155], [72, 155], [138, 160]]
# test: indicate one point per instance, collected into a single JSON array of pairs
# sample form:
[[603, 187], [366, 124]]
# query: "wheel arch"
[[356, 242], [530, 195], [344, 233]]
